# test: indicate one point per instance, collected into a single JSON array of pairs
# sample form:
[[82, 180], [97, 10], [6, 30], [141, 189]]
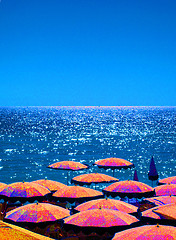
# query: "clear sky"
[[87, 52]]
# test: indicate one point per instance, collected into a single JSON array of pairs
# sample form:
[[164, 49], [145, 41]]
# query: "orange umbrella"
[[151, 215], [2, 185], [155, 232], [24, 191], [37, 213], [114, 163], [162, 200], [100, 220], [76, 193], [108, 204], [168, 180], [87, 179], [167, 211], [165, 190], [51, 185], [129, 188], [161, 214], [12, 232], [68, 165]]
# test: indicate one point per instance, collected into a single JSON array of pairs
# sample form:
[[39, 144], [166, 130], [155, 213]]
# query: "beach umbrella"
[[24, 191], [165, 214], [87, 179], [130, 189], [135, 178], [99, 221], [161, 200], [165, 190], [152, 174], [114, 163], [51, 185], [167, 211], [12, 232], [107, 204], [150, 215], [76, 194], [2, 185], [168, 180], [68, 165], [37, 213], [154, 232]]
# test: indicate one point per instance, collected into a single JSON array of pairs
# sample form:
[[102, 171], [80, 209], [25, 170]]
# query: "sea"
[[31, 138]]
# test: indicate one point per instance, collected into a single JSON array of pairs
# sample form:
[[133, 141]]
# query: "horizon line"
[[91, 106]]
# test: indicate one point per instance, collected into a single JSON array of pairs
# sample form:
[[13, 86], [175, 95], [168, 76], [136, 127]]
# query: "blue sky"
[[87, 53]]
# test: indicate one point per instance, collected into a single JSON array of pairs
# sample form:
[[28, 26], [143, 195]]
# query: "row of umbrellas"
[[109, 214], [43, 189], [30, 191], [112, 163], [93, 216], [40, 209]]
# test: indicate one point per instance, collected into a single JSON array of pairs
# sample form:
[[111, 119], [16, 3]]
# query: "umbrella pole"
[[113, 172]]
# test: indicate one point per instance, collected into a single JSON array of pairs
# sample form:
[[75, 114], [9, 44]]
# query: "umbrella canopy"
[[150, 213], [114, 163], [37, 213], [168, 180], [129, 188], [167, 211], [107, 204], [155, 232], [153, 174], [87, 179], [2, 185], [24, 191], [165, 190], [12, 232], [100, 220], [68, 165], [51, 185], [162, 200], [76, 194], [165, 214]]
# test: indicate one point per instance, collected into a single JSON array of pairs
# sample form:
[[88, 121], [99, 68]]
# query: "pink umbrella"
[[162, 200], [168, 180], [154, 232], [129, 188], [165, 214], [24, 191], [114, 163], [107, 204], [167, 211], [50, 184], [87, 179], [68, 165], [151, 214], [76, 194], [2, 185], [37, 213], [100, 220], [165, 190]]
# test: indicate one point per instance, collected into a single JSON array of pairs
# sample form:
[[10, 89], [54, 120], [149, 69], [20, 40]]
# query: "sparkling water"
[[31, 138]]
